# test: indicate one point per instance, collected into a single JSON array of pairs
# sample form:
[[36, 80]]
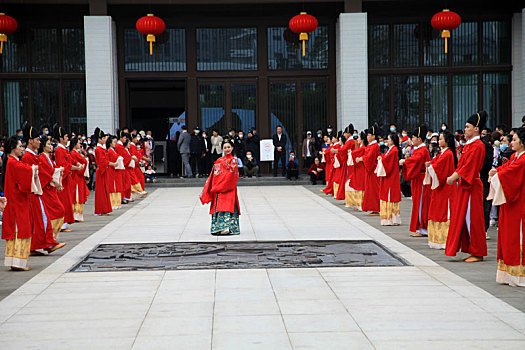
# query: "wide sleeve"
[[441, 169], [45, 171], [512, 179], [390, 161], [102, 160], [206, 195], [370, 157], [467, 166], [61, 159], [24, 176], [413, 165]]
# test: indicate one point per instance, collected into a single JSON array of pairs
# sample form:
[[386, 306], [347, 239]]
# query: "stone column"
[[101, 73], [352, 70], [518, 67]]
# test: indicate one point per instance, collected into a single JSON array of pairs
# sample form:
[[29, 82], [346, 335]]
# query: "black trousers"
[[276, 157], [308, 161], [319, 177], [195, 162], [292, 173], [487, 205]]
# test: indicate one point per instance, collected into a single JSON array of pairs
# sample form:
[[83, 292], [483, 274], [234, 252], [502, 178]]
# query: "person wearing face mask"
[[329, 130], [505, 150], [434, 145], [308, 150], [250, 165], [393, 128], [240, 145], [444, 126], [292, 166]]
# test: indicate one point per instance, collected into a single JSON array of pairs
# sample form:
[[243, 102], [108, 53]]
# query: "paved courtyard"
[[422, 306]]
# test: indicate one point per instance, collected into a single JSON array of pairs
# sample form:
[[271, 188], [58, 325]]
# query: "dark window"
[[15, 103], [288, 54], [379, 99], [169, 51], [496, 94], [244, 98], [74, 100], [14, 58], [464, 41], [315, 106], [45, 102], [45, 50], [405, 46], [378, 45], [435, 100], [406, 101], [496, 42], [282, 110], [212, 108], [73, 49], [226, 49], [465, 98], [433, 45]]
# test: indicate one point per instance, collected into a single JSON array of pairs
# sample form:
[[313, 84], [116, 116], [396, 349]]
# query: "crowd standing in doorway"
[[46, 179]]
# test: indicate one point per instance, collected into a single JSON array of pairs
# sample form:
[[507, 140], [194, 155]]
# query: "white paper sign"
[[266, 150]]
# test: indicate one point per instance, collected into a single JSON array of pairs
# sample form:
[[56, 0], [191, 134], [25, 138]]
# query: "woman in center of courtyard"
[[221, 191]]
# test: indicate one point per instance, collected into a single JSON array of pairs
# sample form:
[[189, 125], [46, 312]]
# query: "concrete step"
[[244, 181]]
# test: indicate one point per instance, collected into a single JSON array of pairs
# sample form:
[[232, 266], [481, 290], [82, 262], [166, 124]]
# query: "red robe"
[[469, 197], [371, 197], [390, 186], [114, 179], [63, 159], [512, 179], [328, 157], [139, 175], [102, 202], [17, 220], [343, 160], [221, 187], [42, 228], [53, 205], [442, 193], [124, 176], [357, 179], [79, 189], [414, 170]]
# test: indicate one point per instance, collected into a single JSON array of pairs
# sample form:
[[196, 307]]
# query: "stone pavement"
[[423, 306], [481, 274]]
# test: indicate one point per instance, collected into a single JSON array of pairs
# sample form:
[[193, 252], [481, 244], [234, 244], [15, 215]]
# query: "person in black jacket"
[[279, 153], [196, 151]]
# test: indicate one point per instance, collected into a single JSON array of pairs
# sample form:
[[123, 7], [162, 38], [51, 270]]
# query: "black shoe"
[[314, 183]]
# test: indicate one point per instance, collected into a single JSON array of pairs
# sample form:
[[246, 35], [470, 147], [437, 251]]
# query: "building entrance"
[[158, 106]]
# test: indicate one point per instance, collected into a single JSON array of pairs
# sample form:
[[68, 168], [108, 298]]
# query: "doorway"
[[158, 106]]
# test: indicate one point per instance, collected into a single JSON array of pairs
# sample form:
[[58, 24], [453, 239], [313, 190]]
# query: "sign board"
[[266, 150]]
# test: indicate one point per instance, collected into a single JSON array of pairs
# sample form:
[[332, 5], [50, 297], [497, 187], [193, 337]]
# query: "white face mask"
[[329, 130], [249, 156], [443, 128]]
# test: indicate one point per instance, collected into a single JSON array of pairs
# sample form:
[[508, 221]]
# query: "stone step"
[[254, 181]]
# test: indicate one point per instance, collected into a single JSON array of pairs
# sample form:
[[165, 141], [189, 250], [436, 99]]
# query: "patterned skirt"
[[225, 221]]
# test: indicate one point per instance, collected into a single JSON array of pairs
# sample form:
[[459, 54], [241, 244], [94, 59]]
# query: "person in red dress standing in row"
[[390, 185], [369, 159], [508, 191], [79, 189], [42, 237], [120, 148], [114, 179], [356, 180], [467, 222], [414, 169], [102, 201], [342, 153], [329, 168]]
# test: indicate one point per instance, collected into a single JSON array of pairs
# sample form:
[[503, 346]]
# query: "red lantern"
[[445, 21], [8, 25], [303, 24], [150, 26]]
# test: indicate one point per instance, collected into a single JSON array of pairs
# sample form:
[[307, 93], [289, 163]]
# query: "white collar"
[[120, 142], [421, 145], [132, 143], [443, 150], [102, 145], [371, 143], [14, 157], [519, 154], [61, 145], [472, 140], [31, 151]]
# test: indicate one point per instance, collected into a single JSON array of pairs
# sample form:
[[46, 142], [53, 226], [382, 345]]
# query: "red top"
[[221, 187], [53, 205], [390, 186]]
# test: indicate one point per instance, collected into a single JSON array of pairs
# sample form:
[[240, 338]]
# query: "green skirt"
[[223, 220]]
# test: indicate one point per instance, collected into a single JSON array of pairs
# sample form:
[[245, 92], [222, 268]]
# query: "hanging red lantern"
[[445, 21], [150, 25], [303, 24], [8, 25]]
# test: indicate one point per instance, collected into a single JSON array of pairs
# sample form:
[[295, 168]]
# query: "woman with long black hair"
[[18, 180], [390, 185], [441, 199]]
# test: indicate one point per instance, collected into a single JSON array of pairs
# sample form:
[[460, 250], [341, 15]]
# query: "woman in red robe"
[[139, 175], [136, 188], [342, 155], [355, 190], [438, 170], [221, 191], [369, 159], [414, 169], [467, 222], [508, 191], [329, 168], [79, 189], [54, 208], [337, 162], [121, 150], [390, 185], [114, 179], [19, 180], [63, 159], [102, 202], [42, 238]]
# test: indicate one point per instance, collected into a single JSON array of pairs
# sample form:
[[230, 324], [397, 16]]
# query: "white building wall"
[[352, 70], [101, 73]]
